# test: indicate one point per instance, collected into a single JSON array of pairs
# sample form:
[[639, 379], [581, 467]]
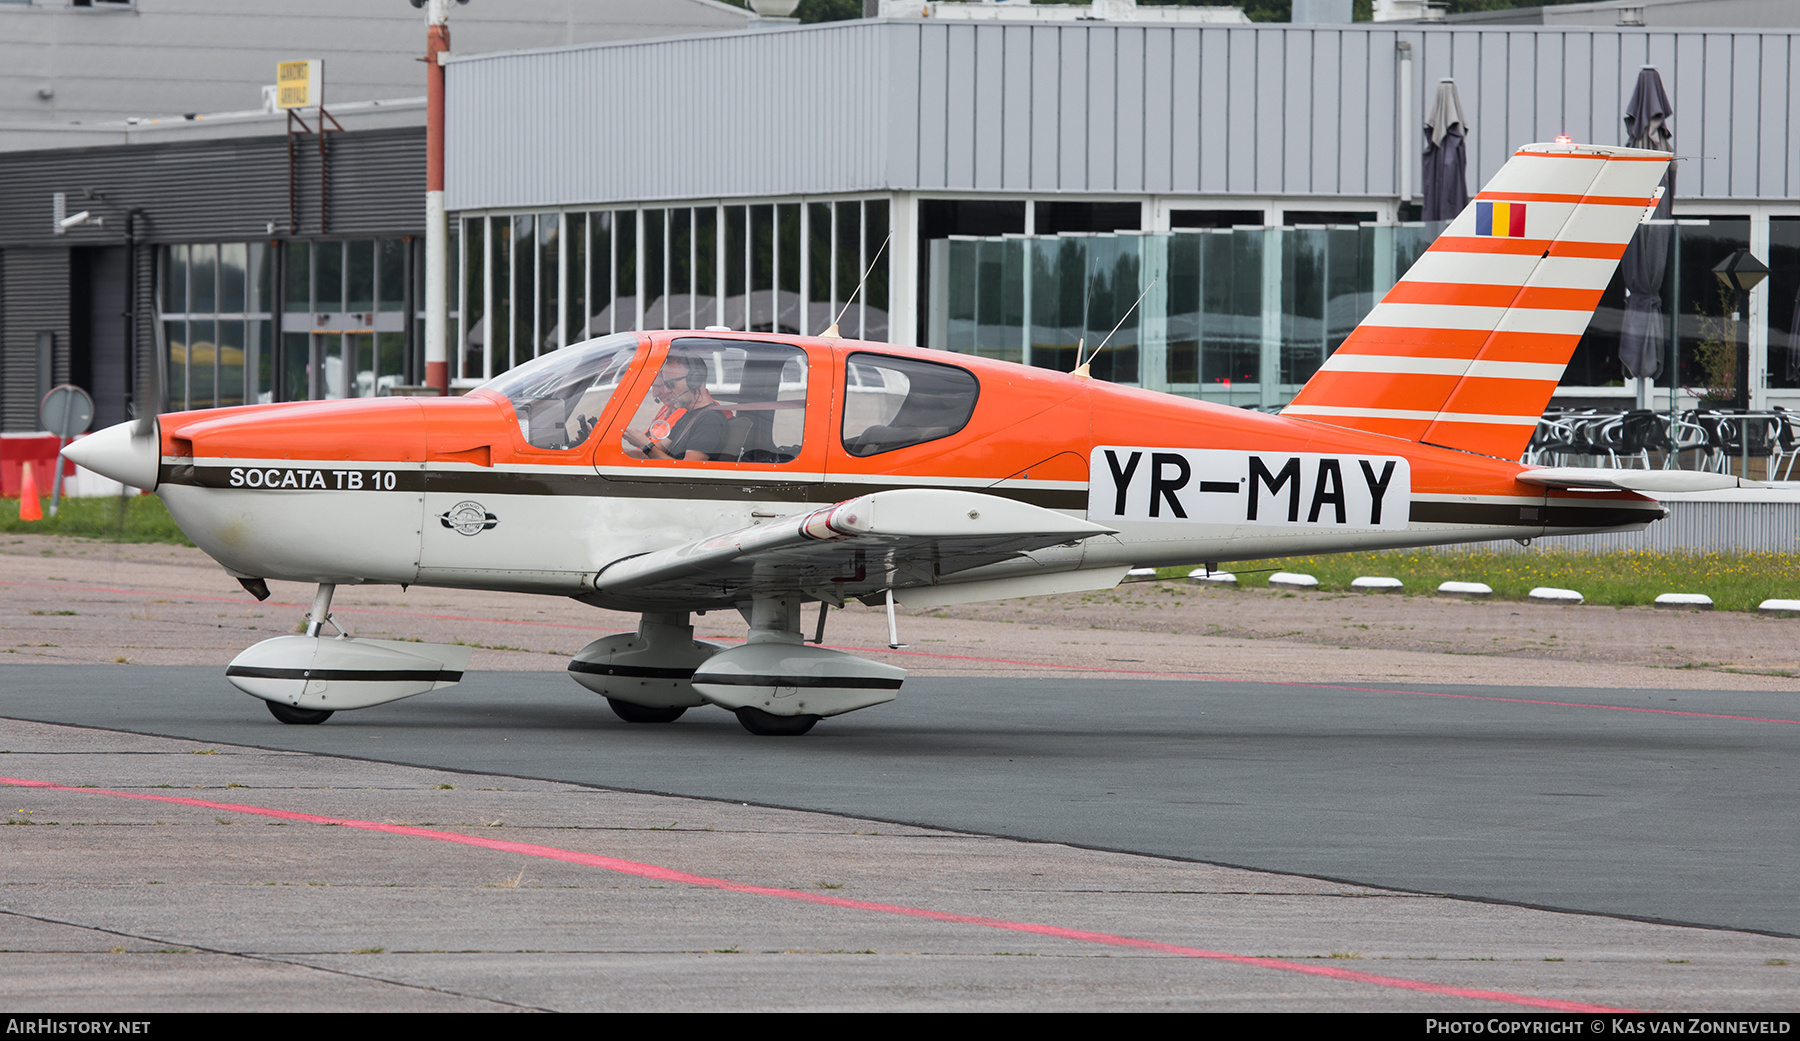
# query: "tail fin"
[[1467, 348]]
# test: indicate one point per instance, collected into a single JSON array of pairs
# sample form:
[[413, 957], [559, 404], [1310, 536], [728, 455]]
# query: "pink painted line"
[[671, 875]]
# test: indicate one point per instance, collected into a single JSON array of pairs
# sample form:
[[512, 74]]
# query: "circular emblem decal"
[[467, 518]]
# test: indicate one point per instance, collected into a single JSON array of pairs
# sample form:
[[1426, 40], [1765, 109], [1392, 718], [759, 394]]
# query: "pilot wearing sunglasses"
[[691, 426]]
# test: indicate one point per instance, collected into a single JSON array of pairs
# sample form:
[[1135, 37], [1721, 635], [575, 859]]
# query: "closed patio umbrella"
[[1647, 126], [1644, 332], [1445, 175]]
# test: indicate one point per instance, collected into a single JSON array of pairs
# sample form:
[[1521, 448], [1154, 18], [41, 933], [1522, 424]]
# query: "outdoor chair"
[[1635, 435], [1689, 437], [1579, 436], [1781, 460], [1739, 435]]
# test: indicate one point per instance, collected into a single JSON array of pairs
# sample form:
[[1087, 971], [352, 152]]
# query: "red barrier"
[[40, 451]]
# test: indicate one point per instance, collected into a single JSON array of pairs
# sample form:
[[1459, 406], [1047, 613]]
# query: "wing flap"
[[905, 537]]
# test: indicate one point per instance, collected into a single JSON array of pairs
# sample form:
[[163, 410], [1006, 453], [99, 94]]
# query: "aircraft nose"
[[124, 452]]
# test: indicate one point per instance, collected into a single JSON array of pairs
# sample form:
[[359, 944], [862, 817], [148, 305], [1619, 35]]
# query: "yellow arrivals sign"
[[299, 84]]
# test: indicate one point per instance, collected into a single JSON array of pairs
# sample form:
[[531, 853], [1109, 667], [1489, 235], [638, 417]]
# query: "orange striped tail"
[[1466, 349]]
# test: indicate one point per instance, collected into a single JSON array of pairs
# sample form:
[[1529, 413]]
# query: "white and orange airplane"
[[671, 472]]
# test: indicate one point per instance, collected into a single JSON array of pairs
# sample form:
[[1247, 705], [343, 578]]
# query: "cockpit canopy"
[[558, 398], [753, 395]]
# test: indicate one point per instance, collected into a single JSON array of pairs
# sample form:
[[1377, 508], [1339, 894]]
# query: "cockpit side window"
[[717, 400], [558, 398], [894, 403]]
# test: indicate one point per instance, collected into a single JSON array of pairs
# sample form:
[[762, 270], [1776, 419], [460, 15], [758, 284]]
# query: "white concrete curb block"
[[1141, 574], [1376, 584], [1217, 578], [1469, 590], [1551, 594], [1685, 601], [1289, 580], [1779, 607]]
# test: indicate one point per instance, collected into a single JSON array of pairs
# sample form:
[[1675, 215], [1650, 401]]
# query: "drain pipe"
[[1406, 127]]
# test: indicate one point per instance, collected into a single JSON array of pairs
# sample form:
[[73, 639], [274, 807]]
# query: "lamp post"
[[1741, 272], [437, 232]]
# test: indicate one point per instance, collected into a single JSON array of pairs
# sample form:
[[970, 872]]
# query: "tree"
[[811, 11]]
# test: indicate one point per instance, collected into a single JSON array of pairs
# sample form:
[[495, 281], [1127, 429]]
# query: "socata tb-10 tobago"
[[672, 472]]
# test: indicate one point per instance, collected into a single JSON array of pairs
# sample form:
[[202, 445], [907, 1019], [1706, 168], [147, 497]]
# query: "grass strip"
[[1735, 581], [135, 518]]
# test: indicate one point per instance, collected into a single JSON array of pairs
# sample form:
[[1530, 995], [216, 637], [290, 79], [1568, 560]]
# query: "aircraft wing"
[[856, 548]]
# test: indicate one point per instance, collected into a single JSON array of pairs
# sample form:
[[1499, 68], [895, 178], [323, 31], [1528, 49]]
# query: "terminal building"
[[1233, 197], [256, 264]]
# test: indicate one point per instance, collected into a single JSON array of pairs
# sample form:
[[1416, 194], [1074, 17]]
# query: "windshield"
[[558, 398]]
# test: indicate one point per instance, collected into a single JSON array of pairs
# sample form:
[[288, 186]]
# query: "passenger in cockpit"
[[697, 426]]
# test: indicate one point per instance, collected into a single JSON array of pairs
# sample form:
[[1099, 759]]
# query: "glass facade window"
[[471, 355], [216, 320], [248, 322], [390, 262], [1784, 302], [789, 268], [599, 275], [1205, 313], [1246, 315], [521, 344]]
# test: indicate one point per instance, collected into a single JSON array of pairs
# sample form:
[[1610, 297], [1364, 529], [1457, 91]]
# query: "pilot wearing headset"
[[696, 424]]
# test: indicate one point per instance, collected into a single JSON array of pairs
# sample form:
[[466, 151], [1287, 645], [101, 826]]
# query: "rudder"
[[1466, 349]]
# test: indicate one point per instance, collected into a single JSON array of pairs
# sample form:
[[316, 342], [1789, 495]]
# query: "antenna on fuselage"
[[1081, 367], [831, 331]]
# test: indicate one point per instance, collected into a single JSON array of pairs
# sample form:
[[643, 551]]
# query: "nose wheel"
[[298, 716]]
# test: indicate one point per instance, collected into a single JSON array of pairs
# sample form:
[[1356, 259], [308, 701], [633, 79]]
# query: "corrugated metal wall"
[[1088, 107], [1690, 527], [761, 113], [35, 299], [146, 358], [213, 191]]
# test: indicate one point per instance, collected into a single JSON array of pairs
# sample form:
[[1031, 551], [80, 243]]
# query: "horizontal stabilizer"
[[1634, 480]]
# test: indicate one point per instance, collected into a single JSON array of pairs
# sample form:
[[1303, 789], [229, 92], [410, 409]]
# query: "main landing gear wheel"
[[303, 716], [634, 713], [764, 724]]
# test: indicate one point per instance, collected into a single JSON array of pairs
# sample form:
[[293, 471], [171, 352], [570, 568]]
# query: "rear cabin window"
[[893, 402]]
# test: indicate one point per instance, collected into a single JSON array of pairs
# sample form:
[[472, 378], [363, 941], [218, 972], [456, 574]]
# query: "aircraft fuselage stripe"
[[733, 487], [339, 675], [595, 668], [756, 680]]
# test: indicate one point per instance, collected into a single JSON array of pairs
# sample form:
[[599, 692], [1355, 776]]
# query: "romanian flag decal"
[[1500, 219]]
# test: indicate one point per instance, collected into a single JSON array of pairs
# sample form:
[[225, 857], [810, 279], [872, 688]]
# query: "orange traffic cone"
[[28, 497]]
